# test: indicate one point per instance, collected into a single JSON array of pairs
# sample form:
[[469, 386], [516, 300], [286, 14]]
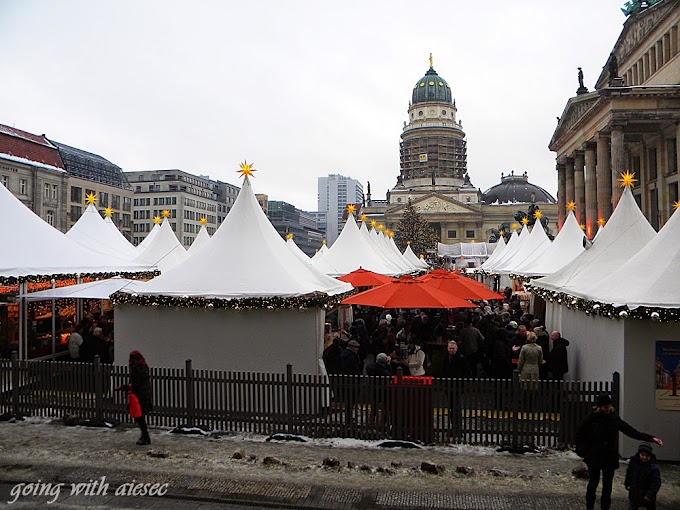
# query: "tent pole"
[[22, 319], [54, 321]]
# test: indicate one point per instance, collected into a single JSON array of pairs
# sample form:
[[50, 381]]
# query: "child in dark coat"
[[643, 478]]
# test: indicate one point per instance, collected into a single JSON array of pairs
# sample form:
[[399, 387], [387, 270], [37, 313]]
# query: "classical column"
[[604, 179], [570, 180], [561, 194], [618, 163], [579, 186], [591, 190], [661, 172]]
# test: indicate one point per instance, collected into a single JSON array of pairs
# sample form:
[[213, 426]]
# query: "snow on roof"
[[38, 249], [92, 232], [247, 258], [25, 161], [566, 247], [627, 232]]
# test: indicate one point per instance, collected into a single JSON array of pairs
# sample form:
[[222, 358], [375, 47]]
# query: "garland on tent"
[[38, 278], [323, 301], [605, 309]]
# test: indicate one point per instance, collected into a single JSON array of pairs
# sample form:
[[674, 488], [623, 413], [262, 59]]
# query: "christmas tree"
[[412, 227]]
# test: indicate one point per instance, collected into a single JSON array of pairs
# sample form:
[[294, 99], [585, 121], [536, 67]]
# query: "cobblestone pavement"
[[201, 473]]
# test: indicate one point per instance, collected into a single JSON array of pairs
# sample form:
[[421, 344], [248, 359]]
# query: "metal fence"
[[426, 409]]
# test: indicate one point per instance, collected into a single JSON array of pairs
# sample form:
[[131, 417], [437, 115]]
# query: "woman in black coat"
[[597, 441], [140, 385]]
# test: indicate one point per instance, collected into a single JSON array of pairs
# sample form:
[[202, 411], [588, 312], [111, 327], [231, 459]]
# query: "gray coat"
[[530, 358]]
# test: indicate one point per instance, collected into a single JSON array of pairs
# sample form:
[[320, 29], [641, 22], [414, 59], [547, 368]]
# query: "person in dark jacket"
[[380, 367], [140, 385], [455, 367], [643, 478], [597, 442], [558, 356], [351, 364]]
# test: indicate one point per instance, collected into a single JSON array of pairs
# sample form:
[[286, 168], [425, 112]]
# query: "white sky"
[[300, 88]]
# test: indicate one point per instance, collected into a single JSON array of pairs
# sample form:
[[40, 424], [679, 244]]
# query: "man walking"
[[558, 356]]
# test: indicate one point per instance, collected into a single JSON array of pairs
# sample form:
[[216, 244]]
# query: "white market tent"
[[34, 248], [92, 232], [628, 264], [164, 250], [500, 247], [98, 289], [352, 250], [149, 237], [627, 232], [536, 243], [201, 240], [380, 245], [413, 259], [320, 262], [510, 250], [391, 246], [248, 303], [498, 255], [566, 247], [292, 246]]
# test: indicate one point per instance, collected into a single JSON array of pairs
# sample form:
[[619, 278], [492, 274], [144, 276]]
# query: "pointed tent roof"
[[320, 262], [351, 250], [149, 238], [109, 223], [38, 249], [389, 240], [533, 247], [201, 240], [566, 247], [655, 286], [292, 246], [164, 250], [627, 232], [414, 259], [378, 241], [512, 247], [500, 247], [92, 232], [247, 259]]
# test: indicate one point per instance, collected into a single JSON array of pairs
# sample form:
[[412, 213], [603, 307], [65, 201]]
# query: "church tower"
[[433, 154]]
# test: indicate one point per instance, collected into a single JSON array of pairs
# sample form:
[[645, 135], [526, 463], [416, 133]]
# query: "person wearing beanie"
[[380, 367], [643, 478], [597, 442]]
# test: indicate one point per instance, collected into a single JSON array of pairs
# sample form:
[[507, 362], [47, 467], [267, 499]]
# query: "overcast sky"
[[300, 88]]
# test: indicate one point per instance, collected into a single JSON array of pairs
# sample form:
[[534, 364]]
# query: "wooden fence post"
[[515, 409], [189, 377], [616, 390], [289, 397], [15, 384], [98, 404], [398, 402]]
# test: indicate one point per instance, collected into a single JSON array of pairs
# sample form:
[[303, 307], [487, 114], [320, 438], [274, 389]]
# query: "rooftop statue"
[[632, 5]]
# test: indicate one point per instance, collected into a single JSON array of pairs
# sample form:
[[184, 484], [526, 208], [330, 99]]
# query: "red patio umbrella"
[[407, 293], [364, 278], [459, 288], [454, 275]]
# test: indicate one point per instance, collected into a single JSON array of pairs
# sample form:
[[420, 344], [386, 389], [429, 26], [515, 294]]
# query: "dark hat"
[[603, 400], [353, 343], [646, 448], [381, 358]]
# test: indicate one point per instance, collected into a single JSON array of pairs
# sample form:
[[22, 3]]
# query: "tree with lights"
[[412, 227]]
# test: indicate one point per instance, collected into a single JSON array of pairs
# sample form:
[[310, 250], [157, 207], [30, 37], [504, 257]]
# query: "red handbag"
[[133, 405]]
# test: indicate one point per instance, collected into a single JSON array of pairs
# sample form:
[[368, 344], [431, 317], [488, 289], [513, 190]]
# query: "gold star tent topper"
[[157, 220], [363, 217], [203, 220], [289, 236], [166, 213], [514, 226], [373, 223], [351, 208], [525, 221], [108, 212], [538, 214], [408, 243], [571, 206], [91, 198], [601, 222], [501, 232], [381, 227], [583, 227], [676, 204], [246, 169], [627, 179], [323, 242]]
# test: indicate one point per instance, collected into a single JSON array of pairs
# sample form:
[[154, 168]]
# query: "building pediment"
[[577, 108], [434, 203]]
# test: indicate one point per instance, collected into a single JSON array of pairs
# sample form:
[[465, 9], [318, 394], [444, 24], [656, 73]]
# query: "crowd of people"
[[91, 337], [489, 341]]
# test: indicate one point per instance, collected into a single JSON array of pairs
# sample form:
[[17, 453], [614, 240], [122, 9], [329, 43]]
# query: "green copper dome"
[[431, 87]]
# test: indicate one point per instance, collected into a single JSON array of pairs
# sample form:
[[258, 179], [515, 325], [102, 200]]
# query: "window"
[[103, 199], [76, 194], [651, 158], [115, 201], [55, 191], [5, 181], [49, 216], [671, 151], [76, 212], [47, 190], [672, 193], [127, 203], [470, 234], [22, 187], [452, 234]]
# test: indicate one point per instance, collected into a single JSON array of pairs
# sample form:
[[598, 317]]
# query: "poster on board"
[[668, 376]]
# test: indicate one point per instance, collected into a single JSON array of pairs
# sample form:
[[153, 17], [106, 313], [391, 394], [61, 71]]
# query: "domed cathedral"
[[434, 176], [629, 122]]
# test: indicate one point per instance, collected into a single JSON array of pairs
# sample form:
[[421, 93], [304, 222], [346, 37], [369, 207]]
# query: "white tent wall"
[[599, 346], [241, 340], [638, 387]]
